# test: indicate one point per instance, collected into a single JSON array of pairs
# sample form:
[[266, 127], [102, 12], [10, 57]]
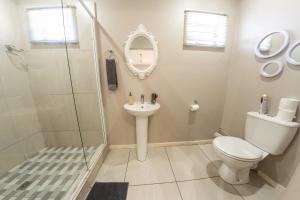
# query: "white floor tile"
[[209, 151], [155, 169], [167, 191], [189, 162], [114, 167], [208, 189], [258, 189]]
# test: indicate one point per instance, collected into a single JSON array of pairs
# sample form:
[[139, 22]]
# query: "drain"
[[24, 185]]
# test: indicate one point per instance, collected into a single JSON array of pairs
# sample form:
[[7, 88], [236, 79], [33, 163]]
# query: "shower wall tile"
[[49, 74], [20, 104], [33, 144], [72, 138], [15, 80], [82, 71], [76, 139], [88, 111], [92, 138], [1, 87], [7, 133], [19, 124], [24, 116], [10, 157], [56, 112], [18, 117], [62, 138], [26, 124]]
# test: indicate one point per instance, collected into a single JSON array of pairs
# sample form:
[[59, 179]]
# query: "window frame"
[[204, 45], [62, 42]]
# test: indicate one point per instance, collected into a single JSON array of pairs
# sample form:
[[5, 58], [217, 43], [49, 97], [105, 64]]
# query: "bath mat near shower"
[[108, 191]]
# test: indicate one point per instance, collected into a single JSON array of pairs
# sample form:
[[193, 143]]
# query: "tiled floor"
[[49, 174], [179, 173]]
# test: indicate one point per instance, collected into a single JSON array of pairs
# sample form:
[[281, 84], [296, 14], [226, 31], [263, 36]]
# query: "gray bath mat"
[[108, 191]]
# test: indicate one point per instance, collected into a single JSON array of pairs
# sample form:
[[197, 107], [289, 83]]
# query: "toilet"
[[264, 135]]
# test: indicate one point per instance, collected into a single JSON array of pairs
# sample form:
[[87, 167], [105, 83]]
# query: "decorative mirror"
[[141, 52], [293, 54], [271, 69], [272, 44]]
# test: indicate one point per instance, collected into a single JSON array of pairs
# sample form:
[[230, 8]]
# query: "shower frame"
[[79, 186]]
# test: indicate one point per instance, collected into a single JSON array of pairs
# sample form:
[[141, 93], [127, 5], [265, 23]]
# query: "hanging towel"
[[111, 71]]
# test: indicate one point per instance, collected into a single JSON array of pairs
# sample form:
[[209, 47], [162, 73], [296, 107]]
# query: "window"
[[205, 29], [50, 25]]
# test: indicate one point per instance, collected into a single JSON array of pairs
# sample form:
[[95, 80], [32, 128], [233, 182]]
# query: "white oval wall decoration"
[[272, 44], [278, 65], [293, 54]]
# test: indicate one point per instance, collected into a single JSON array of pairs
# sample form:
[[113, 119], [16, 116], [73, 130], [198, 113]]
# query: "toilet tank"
[[268, 133]]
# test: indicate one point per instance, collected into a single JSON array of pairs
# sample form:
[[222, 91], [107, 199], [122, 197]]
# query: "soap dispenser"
[[130, 99]]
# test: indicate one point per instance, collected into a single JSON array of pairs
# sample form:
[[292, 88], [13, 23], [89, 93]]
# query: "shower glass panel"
[[49, 105], [83, 70]]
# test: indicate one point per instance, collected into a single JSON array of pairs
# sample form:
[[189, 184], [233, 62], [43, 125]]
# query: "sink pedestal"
[[141, 137], [141, 111]]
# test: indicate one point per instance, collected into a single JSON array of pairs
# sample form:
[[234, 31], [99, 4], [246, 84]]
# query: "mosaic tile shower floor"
[[47, 175]]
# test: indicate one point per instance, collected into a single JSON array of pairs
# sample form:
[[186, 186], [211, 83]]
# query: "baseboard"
[[270, 181], [122, 146], [163, 144]]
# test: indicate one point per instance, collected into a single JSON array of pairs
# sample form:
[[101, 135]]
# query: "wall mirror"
[[293, 54], [141, 52], [271, 69], [272, 44]]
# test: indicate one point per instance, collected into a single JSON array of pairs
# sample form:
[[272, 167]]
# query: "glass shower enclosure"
[[51, 114]]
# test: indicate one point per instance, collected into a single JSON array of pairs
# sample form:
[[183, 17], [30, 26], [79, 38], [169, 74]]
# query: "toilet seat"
[[238, 149]]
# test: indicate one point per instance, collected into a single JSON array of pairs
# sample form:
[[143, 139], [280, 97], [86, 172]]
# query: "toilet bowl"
[[238, 158], [264, 135]]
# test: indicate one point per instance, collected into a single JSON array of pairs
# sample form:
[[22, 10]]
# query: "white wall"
[[182, 74]]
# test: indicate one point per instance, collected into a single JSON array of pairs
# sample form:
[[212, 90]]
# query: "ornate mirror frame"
[[289, 54], [141, 31], [282, 48]]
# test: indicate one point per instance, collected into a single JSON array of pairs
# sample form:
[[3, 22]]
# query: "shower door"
[[84, 74], [50, 112]]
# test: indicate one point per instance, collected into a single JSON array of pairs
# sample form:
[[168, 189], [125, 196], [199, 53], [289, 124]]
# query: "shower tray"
[[47, 175]]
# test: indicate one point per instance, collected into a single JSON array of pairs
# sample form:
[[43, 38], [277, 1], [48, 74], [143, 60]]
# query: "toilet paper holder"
[[194, 107]]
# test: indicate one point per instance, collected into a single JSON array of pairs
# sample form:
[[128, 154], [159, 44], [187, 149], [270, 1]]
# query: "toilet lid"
[[237, 148]]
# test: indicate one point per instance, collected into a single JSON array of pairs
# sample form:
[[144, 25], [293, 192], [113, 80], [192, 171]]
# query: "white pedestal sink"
[[141, 113]]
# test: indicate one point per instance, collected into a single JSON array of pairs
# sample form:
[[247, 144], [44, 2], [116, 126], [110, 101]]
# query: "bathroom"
[[68, 131]]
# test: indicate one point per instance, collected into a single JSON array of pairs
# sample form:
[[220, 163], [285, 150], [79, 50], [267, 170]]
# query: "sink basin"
[[141, 113], [141, 110]]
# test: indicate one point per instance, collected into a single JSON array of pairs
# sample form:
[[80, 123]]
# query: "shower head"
[[12, 48]]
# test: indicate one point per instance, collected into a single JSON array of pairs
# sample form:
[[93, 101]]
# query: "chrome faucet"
[[142, 99]]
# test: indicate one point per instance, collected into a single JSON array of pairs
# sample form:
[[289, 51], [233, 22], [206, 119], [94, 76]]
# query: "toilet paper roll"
[[194, 107], [288, 104], [286, 115]]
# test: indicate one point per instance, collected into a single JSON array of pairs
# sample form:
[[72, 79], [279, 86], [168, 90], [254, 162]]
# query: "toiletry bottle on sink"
[[153, 98], [130, 99]]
